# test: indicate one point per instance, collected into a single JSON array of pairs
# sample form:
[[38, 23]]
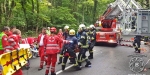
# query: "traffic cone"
[[130, 46], [145, 70], [126, 44], [132, 39], [122, 44]]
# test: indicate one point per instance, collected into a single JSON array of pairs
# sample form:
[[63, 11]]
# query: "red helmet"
[[53, 29]]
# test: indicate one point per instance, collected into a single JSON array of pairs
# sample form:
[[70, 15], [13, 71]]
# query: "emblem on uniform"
[[51, 39], [70, 41]]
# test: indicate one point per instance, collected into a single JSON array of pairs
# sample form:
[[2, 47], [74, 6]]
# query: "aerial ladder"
[[126, 13], [130, 15]]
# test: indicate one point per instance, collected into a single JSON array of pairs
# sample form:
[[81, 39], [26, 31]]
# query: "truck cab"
[[106, 33]]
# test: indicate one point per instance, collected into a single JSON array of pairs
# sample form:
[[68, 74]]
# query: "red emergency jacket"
[[24, 41], [10, 33], [18, 72], [39, 38], [29, 40], [60, 34], [14, 41], [5, 43], [51, 44]]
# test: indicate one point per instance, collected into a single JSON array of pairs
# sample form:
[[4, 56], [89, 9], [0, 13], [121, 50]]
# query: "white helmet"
[[66, 27], [81, 26], [92, 26]]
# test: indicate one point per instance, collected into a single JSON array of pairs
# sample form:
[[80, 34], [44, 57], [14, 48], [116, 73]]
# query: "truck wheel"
[[96, 44], [115, 44]]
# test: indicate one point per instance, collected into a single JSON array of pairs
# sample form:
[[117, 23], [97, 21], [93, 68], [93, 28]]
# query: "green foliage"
[[31, 15]]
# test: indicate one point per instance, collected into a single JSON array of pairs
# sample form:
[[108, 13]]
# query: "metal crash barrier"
[[12, 61]]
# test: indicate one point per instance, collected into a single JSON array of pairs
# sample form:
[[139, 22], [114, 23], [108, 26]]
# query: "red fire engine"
[[106, 32]]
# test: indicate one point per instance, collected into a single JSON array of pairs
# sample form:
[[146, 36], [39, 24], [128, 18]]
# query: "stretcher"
[[12, 61]]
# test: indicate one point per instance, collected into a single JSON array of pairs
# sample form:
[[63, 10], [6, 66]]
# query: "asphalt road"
[[107, 61]]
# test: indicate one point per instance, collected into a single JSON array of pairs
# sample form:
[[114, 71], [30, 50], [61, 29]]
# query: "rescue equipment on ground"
[[12, 61]]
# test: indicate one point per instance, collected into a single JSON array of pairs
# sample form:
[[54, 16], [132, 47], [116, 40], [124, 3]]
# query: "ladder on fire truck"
[[126, 13]]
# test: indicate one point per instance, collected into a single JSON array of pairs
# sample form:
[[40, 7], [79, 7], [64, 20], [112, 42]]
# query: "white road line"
[[65, 69], [58, 72]]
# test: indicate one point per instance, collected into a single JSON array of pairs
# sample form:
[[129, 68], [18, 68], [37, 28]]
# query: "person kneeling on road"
[[65, 35], [71, 45]]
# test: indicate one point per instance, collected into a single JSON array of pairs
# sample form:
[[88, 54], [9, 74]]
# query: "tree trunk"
[[94, 10], [32, 26], [24, 11], [37, 19]]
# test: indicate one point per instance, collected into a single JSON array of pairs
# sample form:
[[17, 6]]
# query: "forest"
[[31, 15]]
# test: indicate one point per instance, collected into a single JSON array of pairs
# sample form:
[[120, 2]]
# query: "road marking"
[[58, 72], [65, 69]]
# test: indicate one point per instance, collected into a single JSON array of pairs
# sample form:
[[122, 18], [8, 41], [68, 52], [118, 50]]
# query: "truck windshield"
[[107, 23]]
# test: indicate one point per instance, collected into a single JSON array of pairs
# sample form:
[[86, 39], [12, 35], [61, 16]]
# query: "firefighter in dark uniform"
[[92, 39], [65, 35], [83, 46], [137, 43], [87, 29], [69, 50], [66, 32]]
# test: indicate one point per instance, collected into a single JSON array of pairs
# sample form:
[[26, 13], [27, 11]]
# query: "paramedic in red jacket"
[[14, 43], [40, 42], [60, 35], [51, 50], [3, 39], [12, 28], [29, 40]]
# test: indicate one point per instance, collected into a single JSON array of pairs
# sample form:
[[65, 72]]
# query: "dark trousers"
[[82, 55], [61, 54], [72, 54], [136, 45], [91, 46]]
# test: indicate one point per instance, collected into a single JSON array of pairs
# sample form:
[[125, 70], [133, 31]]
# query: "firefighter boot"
[[60, 60], [71, 61], [52, 73], [139, 50], [63, 67], [79, 63], [88, 64], [77, 67], [90, 56], [136, 50]]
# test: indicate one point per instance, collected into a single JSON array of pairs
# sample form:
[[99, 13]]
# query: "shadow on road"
[[106, 44]]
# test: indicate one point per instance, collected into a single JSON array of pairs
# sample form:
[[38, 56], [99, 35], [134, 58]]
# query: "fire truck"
[[128, 15], [106, 33]]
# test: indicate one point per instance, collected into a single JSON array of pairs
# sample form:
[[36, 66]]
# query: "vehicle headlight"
[[111, 40]]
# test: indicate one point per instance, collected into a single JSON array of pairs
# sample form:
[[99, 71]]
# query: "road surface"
[[107, 61]]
